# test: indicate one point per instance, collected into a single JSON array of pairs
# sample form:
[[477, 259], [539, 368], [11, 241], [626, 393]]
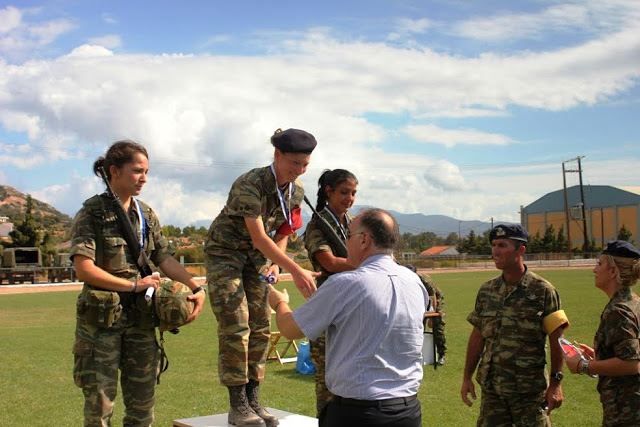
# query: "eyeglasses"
[[350, 234]]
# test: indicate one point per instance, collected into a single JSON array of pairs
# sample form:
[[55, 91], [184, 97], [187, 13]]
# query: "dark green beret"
[[622, 249], [293, 141], [509, 231]]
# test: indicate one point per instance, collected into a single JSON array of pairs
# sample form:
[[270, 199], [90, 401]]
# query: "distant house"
[[406, 256], [440, 251], [5, 229]]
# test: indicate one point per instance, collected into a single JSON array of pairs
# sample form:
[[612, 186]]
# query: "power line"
[[92, 153]]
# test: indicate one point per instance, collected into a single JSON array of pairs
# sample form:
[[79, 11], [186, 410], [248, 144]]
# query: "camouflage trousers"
[[239, 300], [318, 356], [441, 340], [520, 411], [98, 355]]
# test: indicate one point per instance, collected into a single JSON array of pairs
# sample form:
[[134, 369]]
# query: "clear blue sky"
[[459, 108]]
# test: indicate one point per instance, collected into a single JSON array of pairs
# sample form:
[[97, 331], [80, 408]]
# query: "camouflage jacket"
[[619, 336], [96, 234], [510, 319], [252, 195], [315, 240]]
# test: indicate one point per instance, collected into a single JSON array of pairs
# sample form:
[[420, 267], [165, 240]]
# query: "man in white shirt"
[[373, 318]]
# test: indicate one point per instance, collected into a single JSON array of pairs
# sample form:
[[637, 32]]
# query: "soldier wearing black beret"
[[615, 356], [513, 315], [509, 231], [239, 251], [622, 249], [293, 141]]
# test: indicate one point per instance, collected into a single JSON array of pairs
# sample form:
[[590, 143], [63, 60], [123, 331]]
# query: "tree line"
[[189, 241], [551, 241]]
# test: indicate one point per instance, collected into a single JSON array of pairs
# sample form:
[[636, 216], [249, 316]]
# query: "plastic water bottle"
[[149, 293], [271, 278]]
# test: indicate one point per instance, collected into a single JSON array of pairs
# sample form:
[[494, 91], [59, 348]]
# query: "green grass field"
[[37, 331]]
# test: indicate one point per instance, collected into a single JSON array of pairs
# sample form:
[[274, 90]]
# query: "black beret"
[[293, 141], [509, 231], [622, 249]]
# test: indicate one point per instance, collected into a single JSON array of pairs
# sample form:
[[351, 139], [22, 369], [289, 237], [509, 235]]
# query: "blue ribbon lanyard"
[[286, 208], [335, 218], [143, 223]]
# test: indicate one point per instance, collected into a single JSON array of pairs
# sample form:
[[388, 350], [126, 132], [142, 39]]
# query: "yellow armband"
[[554, 320]]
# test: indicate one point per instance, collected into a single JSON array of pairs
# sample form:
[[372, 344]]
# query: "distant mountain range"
[[416, 223], [13, 204]]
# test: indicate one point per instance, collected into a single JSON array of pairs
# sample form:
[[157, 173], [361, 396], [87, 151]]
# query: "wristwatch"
[[558, 376]]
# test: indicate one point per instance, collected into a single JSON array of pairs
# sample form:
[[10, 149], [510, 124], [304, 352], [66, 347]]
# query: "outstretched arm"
[[303, 279], [279, 301]]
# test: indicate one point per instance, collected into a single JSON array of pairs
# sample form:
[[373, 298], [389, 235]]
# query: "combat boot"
[[240, 413], [252, 395]]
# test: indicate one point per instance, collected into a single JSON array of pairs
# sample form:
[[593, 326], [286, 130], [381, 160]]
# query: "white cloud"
[[109, 18], [19, 38], [451, 137], [90, 51], [110, 41], [46, 32], [405, 27], [77, 190], [463, 112], [589, 17], [10, 18], [207, 119]]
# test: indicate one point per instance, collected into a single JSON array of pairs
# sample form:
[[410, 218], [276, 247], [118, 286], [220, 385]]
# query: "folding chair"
[[274, 353]]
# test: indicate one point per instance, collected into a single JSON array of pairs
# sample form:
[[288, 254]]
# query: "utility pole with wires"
[[568, 216]]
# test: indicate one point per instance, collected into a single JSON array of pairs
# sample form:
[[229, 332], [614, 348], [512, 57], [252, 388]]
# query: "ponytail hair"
[[120, 153], [627, 269], [331, 178]]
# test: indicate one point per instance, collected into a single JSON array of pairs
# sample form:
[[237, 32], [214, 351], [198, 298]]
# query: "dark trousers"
[[341, 413]]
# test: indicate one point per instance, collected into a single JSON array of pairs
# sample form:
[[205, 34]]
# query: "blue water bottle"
[[271, 278]]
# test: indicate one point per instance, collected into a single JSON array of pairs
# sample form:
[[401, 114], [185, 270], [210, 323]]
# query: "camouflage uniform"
[[315, 241], [512, 366], [618, 336], [438, 322], [237, 295], [98, 351]]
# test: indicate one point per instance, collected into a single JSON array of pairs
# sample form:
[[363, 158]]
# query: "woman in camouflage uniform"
[[261, 202], [336, 194], [111, 333], [616, 356]]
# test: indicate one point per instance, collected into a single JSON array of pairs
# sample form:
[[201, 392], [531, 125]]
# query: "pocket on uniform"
[[83, 359], [529, 324], [103, 308], [489, 323], [115, 253]]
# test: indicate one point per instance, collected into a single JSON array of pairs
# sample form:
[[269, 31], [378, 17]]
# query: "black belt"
[[374, 403]]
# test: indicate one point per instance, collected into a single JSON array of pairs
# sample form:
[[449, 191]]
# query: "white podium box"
[[287, 419], [428, 349]]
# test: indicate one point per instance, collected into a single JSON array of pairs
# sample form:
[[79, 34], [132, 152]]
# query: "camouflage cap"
[[293, 141], [621, 248], [509, 231], [172, 305]]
